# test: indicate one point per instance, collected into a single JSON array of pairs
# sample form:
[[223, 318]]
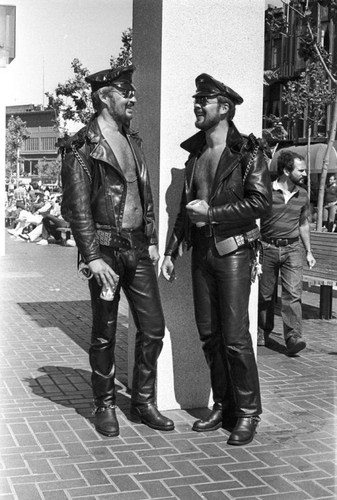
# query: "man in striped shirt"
[[282, 229]]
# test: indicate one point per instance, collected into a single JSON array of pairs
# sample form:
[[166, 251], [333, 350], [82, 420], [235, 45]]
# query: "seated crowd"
[[34, 215]]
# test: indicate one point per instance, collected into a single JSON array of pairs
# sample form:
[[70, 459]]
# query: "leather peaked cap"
[[209, 86], [105, 78]]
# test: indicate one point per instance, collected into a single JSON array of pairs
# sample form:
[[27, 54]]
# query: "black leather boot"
[[220, 416], [149, 415], [212, 422], [106, 422], [244, 431]]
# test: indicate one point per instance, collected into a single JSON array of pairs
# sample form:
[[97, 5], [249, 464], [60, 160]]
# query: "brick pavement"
[[49, 449]]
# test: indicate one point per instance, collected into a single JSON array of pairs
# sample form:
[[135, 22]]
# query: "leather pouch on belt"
[[225, 246]]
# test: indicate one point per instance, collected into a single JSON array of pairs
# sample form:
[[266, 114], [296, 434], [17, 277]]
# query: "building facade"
[[283, 60], [41, 144]]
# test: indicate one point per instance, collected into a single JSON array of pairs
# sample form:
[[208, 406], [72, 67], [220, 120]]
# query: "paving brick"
[[216, 473], [152, 476], [157, 463], [67, 471], [57, 495], [187, 493], [12, 461], [280, 484], [4, 486], [295, 495], [130, 495], [186, 468], [95, 491], [27, 492], [35, 478], [50, 449], [156, 489], [314, 489], [130, 469], [95, 476], [247, 478], [128, 458], [250, 493], [216, 495], [61, 484], [104, 464], [125, 483]]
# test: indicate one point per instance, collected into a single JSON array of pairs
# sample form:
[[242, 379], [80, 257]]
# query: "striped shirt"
[[287, 214]]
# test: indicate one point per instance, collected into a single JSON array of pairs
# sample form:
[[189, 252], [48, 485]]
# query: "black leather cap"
[[209, 86], [107, 77]]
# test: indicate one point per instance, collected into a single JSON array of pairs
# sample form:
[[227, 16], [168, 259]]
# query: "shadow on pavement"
[[71, 388], [71, 317], [74, 319]]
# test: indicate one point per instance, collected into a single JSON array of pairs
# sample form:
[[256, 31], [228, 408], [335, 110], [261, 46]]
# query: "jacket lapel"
[[134, 145], [101, 150]]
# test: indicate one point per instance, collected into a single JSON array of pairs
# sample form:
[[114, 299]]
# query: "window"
[[31, 144], [48, 143]]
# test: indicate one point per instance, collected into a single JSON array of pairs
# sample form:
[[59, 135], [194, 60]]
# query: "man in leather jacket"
[[227, 187], [108, 202]]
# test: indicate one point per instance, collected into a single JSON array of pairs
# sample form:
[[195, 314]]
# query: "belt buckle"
[[226, 246]]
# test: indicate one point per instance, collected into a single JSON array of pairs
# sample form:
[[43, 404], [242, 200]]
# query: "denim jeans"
[[288, 262]]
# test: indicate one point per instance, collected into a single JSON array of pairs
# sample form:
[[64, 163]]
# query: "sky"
[[51, 33]]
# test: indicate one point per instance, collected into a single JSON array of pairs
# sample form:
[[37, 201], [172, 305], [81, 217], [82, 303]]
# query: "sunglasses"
[[204, 100], [127, 93]]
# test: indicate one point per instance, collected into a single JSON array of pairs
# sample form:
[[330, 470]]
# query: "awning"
[[317, 152]]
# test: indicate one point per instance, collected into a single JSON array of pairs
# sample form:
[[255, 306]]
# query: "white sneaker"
[[11, 231], [70, 243], [42, 242]]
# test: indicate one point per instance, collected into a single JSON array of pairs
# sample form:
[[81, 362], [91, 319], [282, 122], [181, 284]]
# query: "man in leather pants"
[[227, 187], [108, 202]]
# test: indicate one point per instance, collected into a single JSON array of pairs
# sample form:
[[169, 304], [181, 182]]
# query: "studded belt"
[[127, 239]]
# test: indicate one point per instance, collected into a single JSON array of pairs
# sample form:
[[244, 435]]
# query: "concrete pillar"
[[174, 41]]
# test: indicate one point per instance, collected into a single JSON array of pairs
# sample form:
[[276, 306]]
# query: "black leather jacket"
[[94, 188], [234, 206]]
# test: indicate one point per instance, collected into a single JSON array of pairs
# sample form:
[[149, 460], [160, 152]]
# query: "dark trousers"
[[50, 224], [221, 289], [138, 279]]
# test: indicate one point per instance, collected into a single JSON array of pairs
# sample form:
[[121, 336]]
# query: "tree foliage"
[[16, 134], [124, 57], [49, 169], [308, 97], [71, 100]]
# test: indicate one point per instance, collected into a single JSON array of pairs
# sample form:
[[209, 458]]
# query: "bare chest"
[[205, 171]]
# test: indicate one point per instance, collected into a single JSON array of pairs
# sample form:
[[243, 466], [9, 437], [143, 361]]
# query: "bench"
[[324, 273]]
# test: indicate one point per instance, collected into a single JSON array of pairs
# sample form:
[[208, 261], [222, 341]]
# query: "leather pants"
[[221, 289], [138, 279]]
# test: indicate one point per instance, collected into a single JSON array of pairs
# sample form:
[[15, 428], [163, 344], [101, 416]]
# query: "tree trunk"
[[321, 191]]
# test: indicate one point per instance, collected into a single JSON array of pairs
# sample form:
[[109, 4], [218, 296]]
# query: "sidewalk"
[[50, 450]]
